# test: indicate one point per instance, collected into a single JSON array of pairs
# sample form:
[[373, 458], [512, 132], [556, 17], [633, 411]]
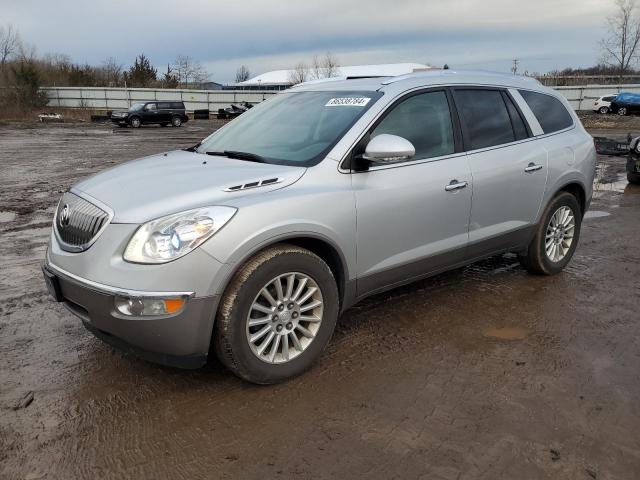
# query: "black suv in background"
[[157, 112]]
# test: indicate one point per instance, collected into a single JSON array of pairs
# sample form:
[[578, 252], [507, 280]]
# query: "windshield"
[[293, 128], [136, 106]]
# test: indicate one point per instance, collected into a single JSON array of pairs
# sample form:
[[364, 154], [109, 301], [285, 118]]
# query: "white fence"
[[99, 98], [580, 97]]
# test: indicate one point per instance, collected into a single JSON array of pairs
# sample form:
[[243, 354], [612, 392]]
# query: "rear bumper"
[[179, 340]]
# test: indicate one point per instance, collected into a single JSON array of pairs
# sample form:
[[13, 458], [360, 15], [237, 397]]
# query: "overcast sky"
[[268, 35]]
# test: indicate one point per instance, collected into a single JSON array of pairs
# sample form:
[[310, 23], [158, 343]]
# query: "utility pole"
[[514, 68]]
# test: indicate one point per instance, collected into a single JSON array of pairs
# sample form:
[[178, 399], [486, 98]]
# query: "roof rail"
[[320, 80]]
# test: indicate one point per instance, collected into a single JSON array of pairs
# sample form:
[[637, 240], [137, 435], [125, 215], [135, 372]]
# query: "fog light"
[[141, 306]]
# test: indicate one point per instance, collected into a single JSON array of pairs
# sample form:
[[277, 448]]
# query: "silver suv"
[[252, 242]]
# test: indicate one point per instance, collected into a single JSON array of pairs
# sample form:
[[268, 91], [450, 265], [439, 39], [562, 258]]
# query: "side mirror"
[[385, 148]]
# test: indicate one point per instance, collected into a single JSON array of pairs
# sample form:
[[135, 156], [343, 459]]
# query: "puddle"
[[7, 216], [506, 333], [596, 214]]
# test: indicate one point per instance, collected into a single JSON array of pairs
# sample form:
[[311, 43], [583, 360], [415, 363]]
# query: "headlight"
[[171, 237]]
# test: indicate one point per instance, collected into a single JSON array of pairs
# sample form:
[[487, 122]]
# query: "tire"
[[537, 260], [135, 122], [603, 110], [633, 177], [176, 121], [622, 111], [232, 331]]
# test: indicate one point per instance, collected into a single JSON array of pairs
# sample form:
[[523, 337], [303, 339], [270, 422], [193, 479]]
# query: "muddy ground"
[[485, 372]]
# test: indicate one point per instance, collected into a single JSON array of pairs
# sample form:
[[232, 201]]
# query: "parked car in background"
[[156, 112], [625, 103], [245, 244], [603, 104], [633, 162]]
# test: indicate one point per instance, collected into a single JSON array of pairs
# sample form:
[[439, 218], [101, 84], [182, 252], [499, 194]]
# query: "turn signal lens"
[[144, 307], [173, 305]]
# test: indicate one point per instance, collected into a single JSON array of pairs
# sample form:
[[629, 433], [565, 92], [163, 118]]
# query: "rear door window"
[[485, 118], [519, 128], [164, 106], [550, 112]]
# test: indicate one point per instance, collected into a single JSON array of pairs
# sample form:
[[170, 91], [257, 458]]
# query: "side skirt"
[[516, 241]]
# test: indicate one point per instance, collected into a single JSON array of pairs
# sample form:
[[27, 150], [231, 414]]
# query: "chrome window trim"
[[109, 290], [521, 103]]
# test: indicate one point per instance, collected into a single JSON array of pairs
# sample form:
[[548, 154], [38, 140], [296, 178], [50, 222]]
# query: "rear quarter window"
[[550, 112]]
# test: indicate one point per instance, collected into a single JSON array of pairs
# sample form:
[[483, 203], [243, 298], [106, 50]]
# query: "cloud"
[[270, 34]]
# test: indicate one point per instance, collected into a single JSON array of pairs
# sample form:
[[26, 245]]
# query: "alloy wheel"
[[559, 236], [284, 317]]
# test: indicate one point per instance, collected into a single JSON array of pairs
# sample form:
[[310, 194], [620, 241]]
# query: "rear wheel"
[[603, 110], [556, 237], [176, 121], [277, 315], [135, 122]]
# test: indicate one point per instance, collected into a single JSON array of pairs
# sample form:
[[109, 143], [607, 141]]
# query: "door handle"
[[532, 167], [455, 185]]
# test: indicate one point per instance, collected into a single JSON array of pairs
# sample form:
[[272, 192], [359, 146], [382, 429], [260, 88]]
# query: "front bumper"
[[179, 340]]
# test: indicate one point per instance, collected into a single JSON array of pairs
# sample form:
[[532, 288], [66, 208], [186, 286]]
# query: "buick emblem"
[[65, 215]]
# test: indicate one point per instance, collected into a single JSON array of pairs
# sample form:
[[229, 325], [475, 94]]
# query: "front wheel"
[[135, 122], [603, 110], [622, 111], [277, 315], [556, 237]]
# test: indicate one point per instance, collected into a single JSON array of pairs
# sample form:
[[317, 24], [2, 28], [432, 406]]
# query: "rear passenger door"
[[164, 112], [509, 170]]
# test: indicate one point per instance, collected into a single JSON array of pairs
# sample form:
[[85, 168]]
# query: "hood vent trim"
[[256, 184]]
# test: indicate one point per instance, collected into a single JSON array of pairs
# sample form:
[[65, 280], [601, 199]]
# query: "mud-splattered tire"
[[232, 331], [176, 121], [633, 177], [537, 260], [135, 122], [603, 110]]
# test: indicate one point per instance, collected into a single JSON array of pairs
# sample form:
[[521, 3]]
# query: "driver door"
[[413, 216]]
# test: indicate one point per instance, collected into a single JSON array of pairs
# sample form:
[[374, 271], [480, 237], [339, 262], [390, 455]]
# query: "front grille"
[[78, 222]]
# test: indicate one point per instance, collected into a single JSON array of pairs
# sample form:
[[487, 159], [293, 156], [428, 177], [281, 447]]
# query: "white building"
[[282, 78]]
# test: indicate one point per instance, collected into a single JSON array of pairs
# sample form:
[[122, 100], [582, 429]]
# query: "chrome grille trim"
[[78, 222]]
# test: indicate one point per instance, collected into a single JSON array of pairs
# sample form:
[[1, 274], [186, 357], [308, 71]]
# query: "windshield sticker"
[[348, 102]]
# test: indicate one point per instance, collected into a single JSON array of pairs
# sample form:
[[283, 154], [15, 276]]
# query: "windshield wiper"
[[250, 157], [193, 149]]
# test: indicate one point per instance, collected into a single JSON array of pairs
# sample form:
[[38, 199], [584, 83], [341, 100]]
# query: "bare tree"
[[620, 47], [187, 69], [9, 42], [242, 74], [112, 72], [330, 66], [299, 74], [325, 67], [316, 69]]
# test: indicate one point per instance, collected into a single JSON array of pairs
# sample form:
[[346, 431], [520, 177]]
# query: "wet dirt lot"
[[484, 372]]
